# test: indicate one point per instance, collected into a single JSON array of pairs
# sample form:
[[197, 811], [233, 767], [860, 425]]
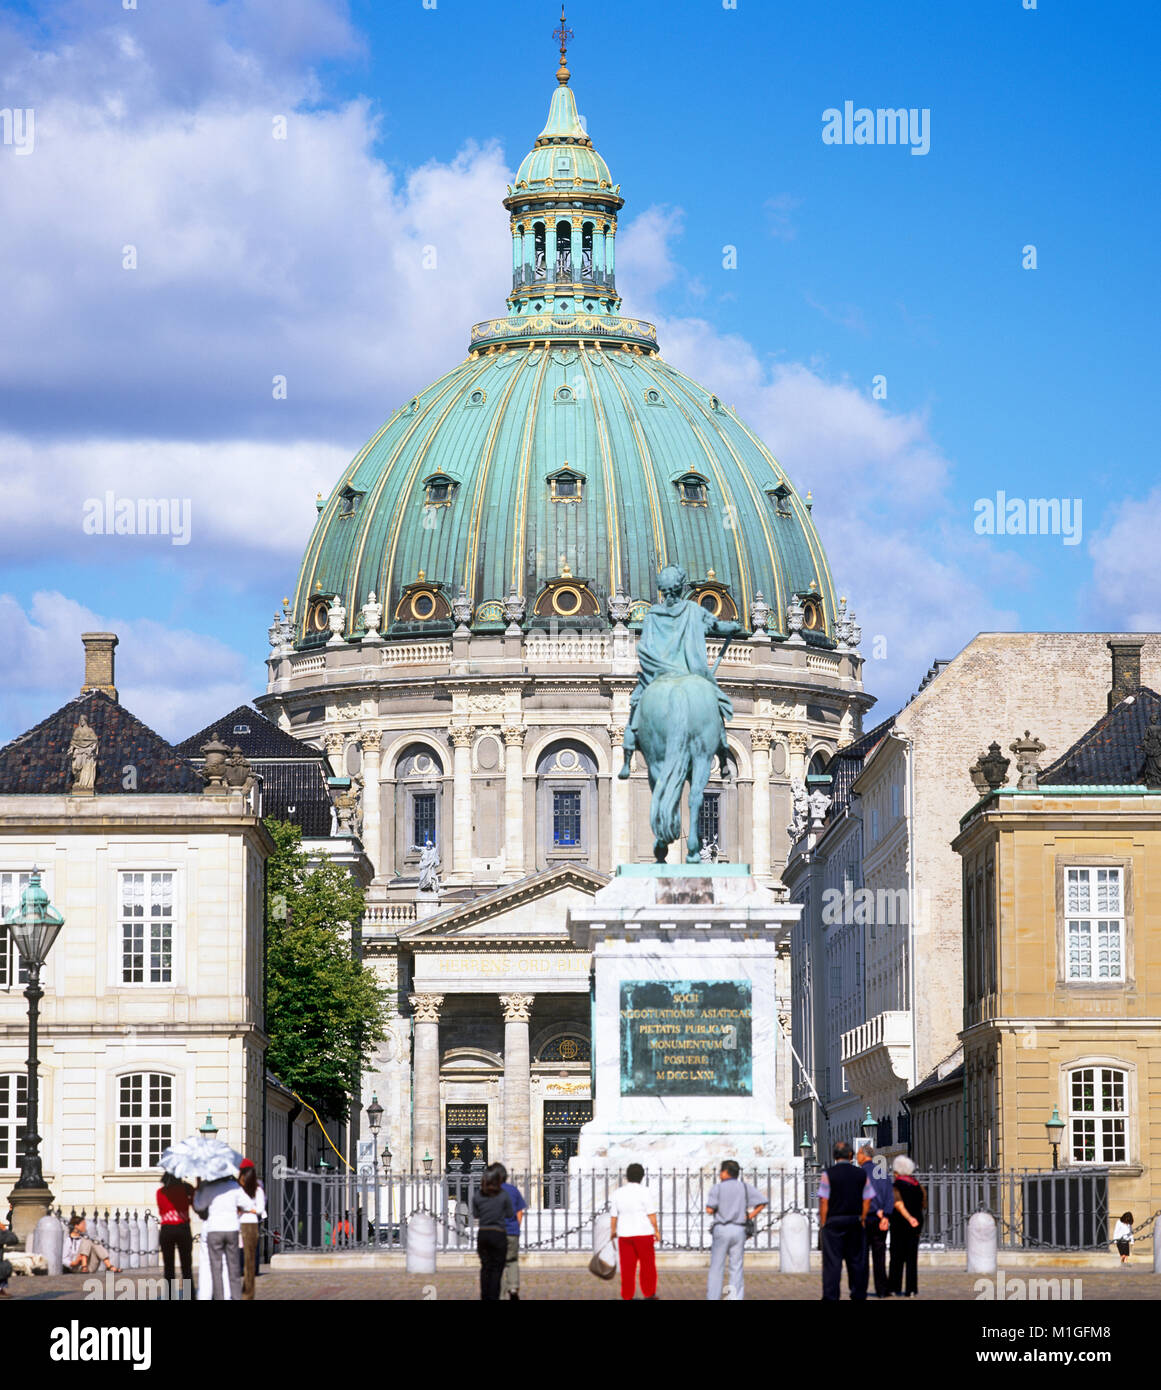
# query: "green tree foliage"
[[325, 1010]]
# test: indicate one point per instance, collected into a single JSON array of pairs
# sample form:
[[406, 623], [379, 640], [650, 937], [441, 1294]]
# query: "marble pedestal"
[[685, 1019]]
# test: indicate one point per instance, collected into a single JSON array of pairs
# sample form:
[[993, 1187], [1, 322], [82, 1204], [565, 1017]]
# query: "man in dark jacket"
[[844, 1199], [879, 1217]]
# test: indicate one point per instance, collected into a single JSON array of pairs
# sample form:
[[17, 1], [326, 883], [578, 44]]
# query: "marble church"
[[461, 646]]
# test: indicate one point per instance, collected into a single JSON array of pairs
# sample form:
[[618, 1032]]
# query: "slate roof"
[[262, 739], [1109, 754], [37, 763], [847, 764], [294, 775]]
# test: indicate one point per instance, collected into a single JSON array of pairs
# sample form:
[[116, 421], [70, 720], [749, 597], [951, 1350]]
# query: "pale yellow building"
[[1062, 964]]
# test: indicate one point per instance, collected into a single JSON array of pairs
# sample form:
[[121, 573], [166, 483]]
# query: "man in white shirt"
[[634, 1228], [218, 1204]]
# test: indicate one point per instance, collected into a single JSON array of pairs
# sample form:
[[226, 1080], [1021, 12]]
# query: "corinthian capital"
[[514, 735], [334, 743], [761, 739], [797, 741], [371, 740], [517, 1007], [461, 737], [426, 1007]]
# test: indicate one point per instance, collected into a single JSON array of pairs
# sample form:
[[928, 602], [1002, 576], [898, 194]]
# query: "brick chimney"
[[1126, 667], [99, 662]]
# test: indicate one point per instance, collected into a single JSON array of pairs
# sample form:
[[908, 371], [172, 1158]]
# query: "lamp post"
[[387, 1156], [1055, 1128], [34, 926], [208, 1130], [375, 1121], [870, 1127]]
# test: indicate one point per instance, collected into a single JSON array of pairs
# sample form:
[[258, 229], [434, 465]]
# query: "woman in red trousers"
[[634, 1228]]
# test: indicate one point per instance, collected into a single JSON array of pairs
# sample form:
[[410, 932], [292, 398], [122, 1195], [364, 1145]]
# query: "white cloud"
[[174, 681], [1127, 566]]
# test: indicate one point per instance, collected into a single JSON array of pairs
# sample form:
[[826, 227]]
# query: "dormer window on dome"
[[422, 602], [317, 615], [476, 398], [812, 615], [439, 490], [780, 496], [350, 500], [653, 397], [693, 490], [714, 597], [565, 485], [565, 395]]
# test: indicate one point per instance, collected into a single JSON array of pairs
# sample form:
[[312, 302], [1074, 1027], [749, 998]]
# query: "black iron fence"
[[1034, 1209]]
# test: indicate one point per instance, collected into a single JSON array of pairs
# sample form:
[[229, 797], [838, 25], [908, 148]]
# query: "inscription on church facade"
[[686, 1038]]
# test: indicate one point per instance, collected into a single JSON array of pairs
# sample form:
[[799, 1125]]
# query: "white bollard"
[[48, 1240], [982, 1243], [794, 1244], [421, 1243], [1156, 1248]]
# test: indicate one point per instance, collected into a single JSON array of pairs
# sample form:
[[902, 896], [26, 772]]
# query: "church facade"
[[461, 644]]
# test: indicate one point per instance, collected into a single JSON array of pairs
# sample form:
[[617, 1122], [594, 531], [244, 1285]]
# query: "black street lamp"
[[375, 1116], [34, 926], [1055, 1128]]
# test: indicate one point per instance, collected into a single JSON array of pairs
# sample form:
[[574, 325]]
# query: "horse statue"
[[677, 713]]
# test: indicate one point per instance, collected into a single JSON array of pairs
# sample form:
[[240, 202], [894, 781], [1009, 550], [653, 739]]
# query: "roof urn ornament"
[[462, 608], [337, 622], [372, 618], [1151, 747], [83, 759], [979, 781], [994, 766], [1027, 751], [759, 613], [620, 606], [514, 610], [237, 773], [795, 618], [819, 805], [214, 769]]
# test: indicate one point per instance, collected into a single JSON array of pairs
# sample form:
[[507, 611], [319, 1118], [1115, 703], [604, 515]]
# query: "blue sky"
[[257, 257]]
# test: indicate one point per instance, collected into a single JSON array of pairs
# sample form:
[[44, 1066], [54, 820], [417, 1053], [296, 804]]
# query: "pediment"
[[533, 908]]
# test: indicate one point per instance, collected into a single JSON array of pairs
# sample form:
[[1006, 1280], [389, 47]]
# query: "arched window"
[[817, 765], [564, 250], [692, 489], [1098, 1115], [540, 266], [718, 826], [587, 251], [565, 1047], [566, 810], [418, 804], [144, 1118]]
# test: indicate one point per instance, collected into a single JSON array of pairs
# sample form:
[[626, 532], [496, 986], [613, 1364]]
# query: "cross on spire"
[[565, 35]]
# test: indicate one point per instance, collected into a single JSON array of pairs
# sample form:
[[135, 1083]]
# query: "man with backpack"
[[733, 1204]]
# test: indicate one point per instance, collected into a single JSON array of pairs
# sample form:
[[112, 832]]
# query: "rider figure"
[[673, 644]]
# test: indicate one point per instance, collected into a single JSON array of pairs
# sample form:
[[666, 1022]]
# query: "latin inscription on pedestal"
[[685, 1038]]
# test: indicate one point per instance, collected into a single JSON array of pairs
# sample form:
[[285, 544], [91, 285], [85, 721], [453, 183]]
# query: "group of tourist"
[[860, 1204], [230, 1208]]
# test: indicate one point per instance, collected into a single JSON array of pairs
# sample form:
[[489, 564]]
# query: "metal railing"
[[1034, 1209]]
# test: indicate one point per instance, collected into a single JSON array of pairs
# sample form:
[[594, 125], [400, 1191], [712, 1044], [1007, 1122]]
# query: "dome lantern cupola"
[[563, 217]]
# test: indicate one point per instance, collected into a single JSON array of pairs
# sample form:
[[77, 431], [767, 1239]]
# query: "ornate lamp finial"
[[565, 35]]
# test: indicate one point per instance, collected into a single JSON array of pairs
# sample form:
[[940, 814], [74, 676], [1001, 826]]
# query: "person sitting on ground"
[[7, 1237], [83, 1253]]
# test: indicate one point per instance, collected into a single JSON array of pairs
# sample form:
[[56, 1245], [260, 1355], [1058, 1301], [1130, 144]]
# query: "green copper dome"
[[560, 466]]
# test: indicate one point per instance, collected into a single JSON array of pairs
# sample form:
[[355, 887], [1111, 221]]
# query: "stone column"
[[517, 1156], [462, 801], [620, 847], [796, 744], [514, 798], [425, 1080], [611, 252], [577, 243], [372, 839], [760, 740], [599, 253], [550, 246], [334, 743]]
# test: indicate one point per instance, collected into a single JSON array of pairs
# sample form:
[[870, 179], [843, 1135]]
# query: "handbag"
[[602, 1241], [750, 1227]]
